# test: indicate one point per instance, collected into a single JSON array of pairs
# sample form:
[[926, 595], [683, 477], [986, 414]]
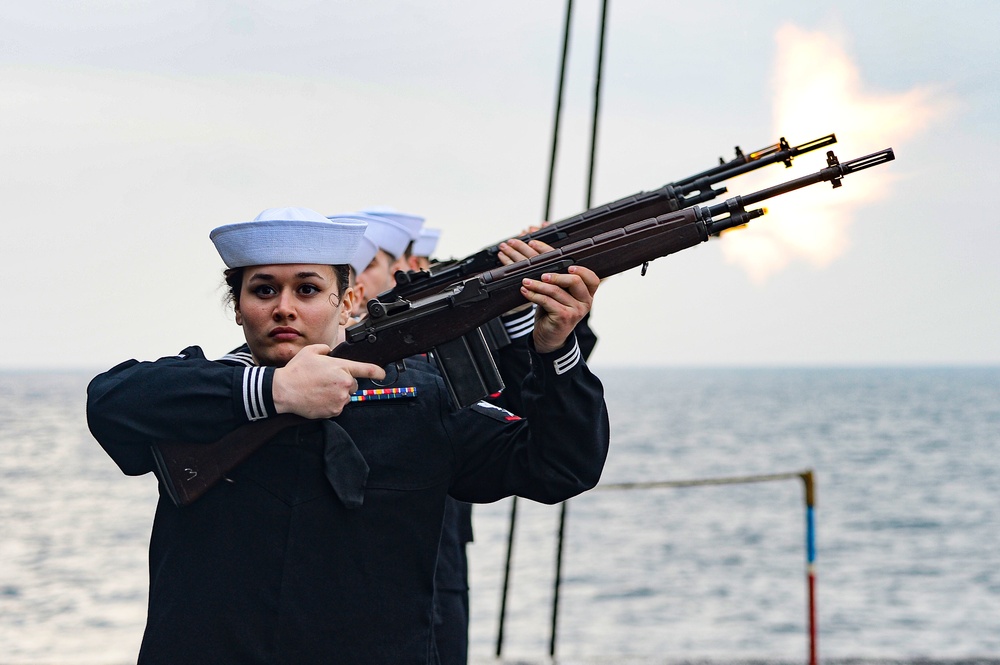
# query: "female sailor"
[[321, 547]]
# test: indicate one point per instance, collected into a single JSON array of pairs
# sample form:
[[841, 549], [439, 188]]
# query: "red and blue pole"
[[810, 491]]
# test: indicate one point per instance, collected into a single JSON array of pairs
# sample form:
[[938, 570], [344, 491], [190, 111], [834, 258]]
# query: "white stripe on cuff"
[[569, 360], [522, 325], [253, 393]]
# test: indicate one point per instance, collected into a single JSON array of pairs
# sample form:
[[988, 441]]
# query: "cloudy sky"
[[128, 130]]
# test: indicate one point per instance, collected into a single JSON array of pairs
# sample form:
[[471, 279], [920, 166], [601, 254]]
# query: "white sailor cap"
[[367, 249], [288, 235], [387, 235], [411, 222], [426, 243]]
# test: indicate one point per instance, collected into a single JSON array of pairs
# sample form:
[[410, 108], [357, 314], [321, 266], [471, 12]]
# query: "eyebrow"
[[270, 278]]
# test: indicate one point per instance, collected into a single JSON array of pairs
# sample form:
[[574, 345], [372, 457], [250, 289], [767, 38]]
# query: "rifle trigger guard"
[[390, 377]]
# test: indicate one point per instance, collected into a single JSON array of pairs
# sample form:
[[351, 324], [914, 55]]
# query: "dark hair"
[[234, 280]]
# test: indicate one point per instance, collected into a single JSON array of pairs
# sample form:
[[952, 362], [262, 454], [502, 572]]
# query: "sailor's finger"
[[361, 370]]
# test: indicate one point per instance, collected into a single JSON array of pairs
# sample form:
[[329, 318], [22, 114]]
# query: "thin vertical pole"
[[597, 106], [545, 217], [589, 203], [558, 113], [810, 498], [558, 578], [506, 575]]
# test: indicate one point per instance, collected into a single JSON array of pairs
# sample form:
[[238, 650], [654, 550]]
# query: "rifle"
[[399, 329], [684, 193], [467, 368]]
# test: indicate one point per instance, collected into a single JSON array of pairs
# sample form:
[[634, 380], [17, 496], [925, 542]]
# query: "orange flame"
[[818, 90]]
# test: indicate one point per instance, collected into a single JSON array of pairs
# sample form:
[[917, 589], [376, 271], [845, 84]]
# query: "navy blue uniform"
[[451, 585], [273, 567], [451, 582]]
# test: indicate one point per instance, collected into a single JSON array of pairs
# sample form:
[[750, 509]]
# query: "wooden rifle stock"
[[400, 329]]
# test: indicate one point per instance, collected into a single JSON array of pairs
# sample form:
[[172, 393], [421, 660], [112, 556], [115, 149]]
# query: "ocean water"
[[907, 466]]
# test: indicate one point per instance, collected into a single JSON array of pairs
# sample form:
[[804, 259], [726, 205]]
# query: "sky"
[[130, 129]]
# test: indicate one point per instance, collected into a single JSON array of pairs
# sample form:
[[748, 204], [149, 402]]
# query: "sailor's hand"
[[515, 250], [562, 299], [314, 385]]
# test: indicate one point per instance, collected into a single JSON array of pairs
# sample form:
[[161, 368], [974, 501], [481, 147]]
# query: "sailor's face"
[[404, 263], [283, 308], [377, 278]]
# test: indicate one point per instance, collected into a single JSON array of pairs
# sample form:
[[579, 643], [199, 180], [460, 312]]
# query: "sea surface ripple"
[[906, 461]]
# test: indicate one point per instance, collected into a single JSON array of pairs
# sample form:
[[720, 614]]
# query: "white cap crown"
[[288, 235]]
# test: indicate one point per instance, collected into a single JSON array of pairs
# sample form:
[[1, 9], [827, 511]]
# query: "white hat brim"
[[272, 242]]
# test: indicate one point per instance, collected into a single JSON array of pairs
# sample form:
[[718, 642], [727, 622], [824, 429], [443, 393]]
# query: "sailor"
[[451, 577], [392, 240], [362, 258], [322, 546], [451, 581], [412, 223], [424, 247]]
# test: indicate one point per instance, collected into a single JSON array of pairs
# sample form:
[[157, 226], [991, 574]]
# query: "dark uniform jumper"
[[273, 567]]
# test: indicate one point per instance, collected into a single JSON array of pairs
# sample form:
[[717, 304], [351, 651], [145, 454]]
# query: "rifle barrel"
[[779, 152], [832, 173]]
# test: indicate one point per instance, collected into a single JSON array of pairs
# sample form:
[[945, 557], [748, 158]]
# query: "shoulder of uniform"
[[189, 353], [495, 412]]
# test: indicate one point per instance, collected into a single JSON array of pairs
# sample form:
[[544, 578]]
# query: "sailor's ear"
[[359, 299], [239, 315], [347, 304]]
